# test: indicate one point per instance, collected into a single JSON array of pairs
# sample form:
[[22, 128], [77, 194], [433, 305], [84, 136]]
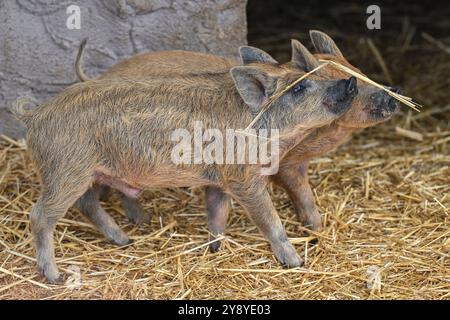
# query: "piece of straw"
[[405, 100], [380, 60], [409, 134], [436, 42]]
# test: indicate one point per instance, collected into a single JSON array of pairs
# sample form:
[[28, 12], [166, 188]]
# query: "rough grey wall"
[[37, 50]]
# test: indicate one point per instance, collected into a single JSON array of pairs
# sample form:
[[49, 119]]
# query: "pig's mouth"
[[379, 115]]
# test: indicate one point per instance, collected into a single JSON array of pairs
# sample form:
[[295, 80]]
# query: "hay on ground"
[[385, 200]]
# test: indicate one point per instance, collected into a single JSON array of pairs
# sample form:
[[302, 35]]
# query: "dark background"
[[416, 65]]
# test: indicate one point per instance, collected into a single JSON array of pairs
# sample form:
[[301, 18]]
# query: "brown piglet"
[[370, 107], [119, 133]]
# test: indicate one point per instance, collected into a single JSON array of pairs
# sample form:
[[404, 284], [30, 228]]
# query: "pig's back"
[[169, 63], [136, 116]]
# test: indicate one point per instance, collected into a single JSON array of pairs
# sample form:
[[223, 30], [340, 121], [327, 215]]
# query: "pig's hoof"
[[288, 257], [50, 272], [117, 236], [292, 262], [57, 281], [122, 241], [313, 221], [128, 243], [214, 246]]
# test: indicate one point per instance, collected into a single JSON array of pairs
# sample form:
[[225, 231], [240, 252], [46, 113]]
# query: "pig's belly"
[[117, 183], [163, 178]]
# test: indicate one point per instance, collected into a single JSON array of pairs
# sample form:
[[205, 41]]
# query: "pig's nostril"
[[351, 86]]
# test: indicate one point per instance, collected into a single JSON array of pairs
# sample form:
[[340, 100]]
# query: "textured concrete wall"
[[37, 49]]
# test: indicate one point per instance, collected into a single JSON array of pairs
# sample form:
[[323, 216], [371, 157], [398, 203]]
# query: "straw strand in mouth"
[[404, 99]]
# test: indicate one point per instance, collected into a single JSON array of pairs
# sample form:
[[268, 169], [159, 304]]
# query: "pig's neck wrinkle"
[[331, 137], [284, 126], [339, 132], [288, 142], [321, 141]]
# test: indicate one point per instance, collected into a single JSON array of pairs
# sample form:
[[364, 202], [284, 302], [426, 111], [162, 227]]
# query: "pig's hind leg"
[[103, 192], [90, 206], [217, 206], [130, 205], [59, 193], [134, 210]]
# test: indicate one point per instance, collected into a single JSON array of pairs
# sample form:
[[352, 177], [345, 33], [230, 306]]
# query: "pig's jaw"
[[366, 117], [336, 132], [378, 116]]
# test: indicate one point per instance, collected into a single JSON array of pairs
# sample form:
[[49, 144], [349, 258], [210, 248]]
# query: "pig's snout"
[[340, 96], [394, 103], [383, 105]]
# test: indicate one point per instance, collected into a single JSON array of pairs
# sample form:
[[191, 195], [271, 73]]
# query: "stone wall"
[[37, 49]]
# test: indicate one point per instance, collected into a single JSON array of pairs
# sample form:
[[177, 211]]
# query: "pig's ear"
[[324, 44], [251, 54], [254, 85], [302, 58]]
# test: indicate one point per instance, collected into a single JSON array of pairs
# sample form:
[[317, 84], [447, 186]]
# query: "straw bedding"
[[385, 199], [386, 206]]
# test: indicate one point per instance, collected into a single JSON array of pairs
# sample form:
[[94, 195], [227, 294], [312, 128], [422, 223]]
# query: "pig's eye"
[[299, 87]]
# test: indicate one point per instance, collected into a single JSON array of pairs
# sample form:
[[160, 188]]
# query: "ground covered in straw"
[[385, 200]]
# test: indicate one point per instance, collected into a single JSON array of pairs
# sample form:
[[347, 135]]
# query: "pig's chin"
[[380, 115], [363, 119]]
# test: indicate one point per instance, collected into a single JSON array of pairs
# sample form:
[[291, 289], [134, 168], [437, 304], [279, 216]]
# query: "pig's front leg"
[[294, 179], [255, 199], [217, 206]]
